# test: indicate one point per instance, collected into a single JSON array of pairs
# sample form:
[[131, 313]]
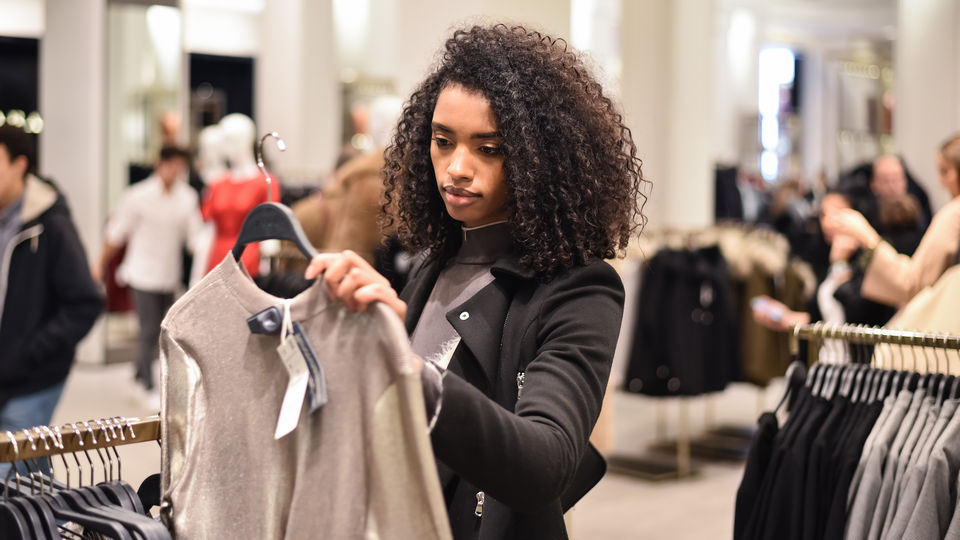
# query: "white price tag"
[[296, 366]]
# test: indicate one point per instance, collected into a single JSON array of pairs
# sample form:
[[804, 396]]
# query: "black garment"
[[393, 262], [686, 336], [51, 300], [523, 453], [783, 516], [761, 451], [848, 458], [814, 515], [728, 203]]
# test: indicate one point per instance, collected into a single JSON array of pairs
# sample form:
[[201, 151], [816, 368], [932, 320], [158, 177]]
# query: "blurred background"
[[761, 93]]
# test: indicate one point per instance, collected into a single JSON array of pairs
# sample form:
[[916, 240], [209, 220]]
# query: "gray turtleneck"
[[434, 338]]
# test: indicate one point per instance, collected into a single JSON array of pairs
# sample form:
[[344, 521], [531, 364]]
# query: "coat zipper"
[[478, 511]]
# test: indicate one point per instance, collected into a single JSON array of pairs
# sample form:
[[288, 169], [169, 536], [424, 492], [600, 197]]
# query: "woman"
[[892, 278], [515, 174]]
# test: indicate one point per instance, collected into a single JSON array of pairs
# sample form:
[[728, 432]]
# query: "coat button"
[[464, 315]]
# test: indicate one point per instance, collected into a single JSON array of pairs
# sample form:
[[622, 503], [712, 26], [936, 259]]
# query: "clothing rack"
[[45, 441], [817, 332]]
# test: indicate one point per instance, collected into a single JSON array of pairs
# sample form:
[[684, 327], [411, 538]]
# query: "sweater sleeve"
[[893, 278]]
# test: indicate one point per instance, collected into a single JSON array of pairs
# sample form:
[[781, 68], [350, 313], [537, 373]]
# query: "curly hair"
[[573, 177]]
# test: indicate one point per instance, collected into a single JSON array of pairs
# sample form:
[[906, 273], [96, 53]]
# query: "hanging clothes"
[[685, 340], [864, 454], [361, 466], [226, 205]]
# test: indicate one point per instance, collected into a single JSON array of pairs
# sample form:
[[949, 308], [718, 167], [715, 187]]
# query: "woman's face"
[[947, 175], [467, 157]]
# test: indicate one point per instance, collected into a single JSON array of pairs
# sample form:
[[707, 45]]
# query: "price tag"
[[296, 365]]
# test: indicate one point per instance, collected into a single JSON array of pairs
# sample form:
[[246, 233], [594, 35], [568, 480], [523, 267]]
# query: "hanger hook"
[[66, 466], [13, 466], [282, 146]]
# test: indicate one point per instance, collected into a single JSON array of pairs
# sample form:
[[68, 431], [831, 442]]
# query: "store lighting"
[[769, 165], [776, 68], [16, 118], [34, 123]]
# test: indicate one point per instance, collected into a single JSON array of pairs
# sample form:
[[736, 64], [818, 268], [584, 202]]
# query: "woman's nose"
[[460, 164]]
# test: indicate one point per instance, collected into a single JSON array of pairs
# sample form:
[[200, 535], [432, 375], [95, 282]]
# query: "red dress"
[[227, 203]]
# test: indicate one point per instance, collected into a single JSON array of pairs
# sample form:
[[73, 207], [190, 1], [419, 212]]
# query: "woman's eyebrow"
[[487, 135]]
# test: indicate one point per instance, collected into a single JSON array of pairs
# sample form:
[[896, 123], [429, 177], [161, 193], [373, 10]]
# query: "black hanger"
[[795, 378], [270, 220]]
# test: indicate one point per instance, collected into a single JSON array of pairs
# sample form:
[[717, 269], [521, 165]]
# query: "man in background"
[[48, 300], [155, 219]]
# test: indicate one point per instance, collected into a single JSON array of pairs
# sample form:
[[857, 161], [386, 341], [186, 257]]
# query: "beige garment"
[[932, 310], [894, 279], [344, 215], [359, 467]]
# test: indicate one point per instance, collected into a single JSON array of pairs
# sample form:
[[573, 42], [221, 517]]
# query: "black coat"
[[522, 453], [686, 337], [50, 300]]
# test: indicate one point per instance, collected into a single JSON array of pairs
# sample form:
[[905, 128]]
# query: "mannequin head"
[[211, 154], [382, 117], [239, 134]]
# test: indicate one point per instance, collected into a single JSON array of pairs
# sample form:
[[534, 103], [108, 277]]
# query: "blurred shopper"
[[894, 278], [48, 301], [885, 176], [155, 219]]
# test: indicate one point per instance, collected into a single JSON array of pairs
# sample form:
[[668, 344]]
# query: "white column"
[[297, 88], [927, 71], [667, 94], [72, 103]]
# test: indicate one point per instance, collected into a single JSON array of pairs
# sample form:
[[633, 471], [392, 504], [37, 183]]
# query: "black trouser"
[[151, 307]]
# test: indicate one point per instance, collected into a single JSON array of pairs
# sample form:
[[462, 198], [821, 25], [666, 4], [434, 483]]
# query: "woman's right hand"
[[852, 223], [353, 281]]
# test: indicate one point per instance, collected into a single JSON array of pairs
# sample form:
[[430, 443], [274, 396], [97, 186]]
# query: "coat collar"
[[38, 197], [481, 330]]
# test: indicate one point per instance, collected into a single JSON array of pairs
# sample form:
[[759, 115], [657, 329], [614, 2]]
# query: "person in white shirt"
[[155, 219]]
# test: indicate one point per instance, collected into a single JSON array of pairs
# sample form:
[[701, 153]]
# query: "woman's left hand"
[[354, 282]]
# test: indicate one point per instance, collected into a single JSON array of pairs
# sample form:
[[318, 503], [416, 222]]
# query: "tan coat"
[[893, 278], [344, 215]]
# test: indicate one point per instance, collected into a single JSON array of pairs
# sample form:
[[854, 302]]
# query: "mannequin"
[[211, 156], [229, 200]]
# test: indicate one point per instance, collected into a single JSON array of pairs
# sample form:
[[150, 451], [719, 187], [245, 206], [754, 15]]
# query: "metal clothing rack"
[[816, 333], [45, 441]]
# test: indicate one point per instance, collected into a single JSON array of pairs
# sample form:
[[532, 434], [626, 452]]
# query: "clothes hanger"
[[795, 377], [270, 220], [144, 526], [105, 527]]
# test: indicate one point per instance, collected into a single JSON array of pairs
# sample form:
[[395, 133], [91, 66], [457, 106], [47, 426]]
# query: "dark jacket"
[[49, 300], [686, 336], [557, 337]]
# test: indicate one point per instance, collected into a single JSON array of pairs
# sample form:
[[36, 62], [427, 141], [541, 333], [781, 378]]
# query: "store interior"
[[784, 92]]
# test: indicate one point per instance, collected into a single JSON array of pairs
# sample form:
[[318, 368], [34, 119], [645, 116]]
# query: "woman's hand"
[[842, 248], [354, 282], [852, 223], [775, 315]]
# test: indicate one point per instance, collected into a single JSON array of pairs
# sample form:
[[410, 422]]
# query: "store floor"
[[620, 507]]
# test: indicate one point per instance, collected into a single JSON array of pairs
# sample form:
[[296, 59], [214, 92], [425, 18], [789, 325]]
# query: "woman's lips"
[[459, 196]]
